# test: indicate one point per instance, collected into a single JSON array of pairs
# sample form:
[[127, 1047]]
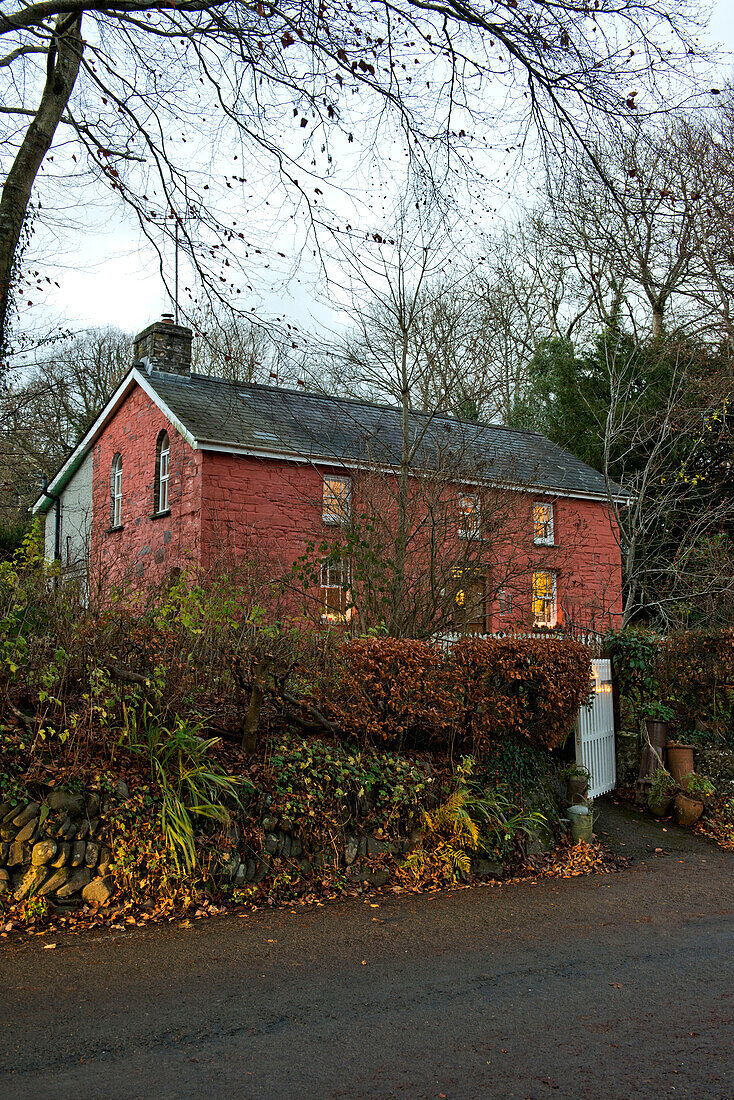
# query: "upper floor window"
[[544, 599], [543, 524], [162, 467], [469, 516], [116, 492], [337, 499]]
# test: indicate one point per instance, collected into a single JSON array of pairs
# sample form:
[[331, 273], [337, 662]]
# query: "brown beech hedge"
[[397, 692]]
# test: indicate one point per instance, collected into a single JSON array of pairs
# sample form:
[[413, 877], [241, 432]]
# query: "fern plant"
[[468, 821]]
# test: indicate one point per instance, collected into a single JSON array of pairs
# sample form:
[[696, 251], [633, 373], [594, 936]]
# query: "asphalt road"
[[606, 986]]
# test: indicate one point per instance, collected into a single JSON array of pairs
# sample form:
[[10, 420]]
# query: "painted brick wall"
[[271, 508], [145, 549], [263, 505]]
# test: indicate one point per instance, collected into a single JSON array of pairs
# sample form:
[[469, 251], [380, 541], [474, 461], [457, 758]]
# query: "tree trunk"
[[399, 610], [658, 320], [251, 724], [62, 67]]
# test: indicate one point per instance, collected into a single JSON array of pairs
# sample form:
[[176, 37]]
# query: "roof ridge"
[[348, 400]]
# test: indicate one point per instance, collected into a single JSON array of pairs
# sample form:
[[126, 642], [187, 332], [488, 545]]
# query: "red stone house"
[[180, 470]]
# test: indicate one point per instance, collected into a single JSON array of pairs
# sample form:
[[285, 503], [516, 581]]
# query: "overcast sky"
[[108, 277]]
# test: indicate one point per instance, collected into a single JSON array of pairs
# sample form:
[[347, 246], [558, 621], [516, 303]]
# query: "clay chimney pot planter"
[[680, 759]]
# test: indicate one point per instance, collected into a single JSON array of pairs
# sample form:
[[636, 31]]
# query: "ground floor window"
[[336, 596], [504, 599], [544, 599], [470, 602]]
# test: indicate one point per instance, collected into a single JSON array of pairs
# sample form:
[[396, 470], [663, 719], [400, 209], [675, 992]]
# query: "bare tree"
[[677, 529], [46, 406], [239, 349], [179, 109], [637, 246]]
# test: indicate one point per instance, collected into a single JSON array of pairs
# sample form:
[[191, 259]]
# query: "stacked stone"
[[279, 843], [55, 850], [717, 764]]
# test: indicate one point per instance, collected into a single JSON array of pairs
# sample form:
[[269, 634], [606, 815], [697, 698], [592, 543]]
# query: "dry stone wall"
[[55, 850]]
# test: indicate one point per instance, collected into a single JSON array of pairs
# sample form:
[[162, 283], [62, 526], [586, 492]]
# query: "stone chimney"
[[164, 346]]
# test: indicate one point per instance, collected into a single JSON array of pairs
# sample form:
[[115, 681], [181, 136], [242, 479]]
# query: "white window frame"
[[473, 513], [164, 458], [549, 538], [116, 491], [337, 505], [328, 615], [504, 601], [550, 615]]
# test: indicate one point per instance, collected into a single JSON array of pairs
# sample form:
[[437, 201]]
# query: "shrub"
[[526, 688], [394, 691], [330, 786], [697, 674], [689, 675], [483, 692]]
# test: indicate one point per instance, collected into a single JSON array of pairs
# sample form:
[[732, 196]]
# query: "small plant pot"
[[578, 789], [687, 810], [661, 806], [680, 759], [582, 823]]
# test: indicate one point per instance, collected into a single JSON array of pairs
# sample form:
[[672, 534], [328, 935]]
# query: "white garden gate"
[[595, 733]]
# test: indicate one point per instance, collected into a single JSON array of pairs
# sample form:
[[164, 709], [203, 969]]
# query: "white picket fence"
[[595, 733], [589, 637]]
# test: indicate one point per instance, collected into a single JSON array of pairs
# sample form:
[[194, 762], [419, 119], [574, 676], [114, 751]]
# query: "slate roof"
[[295, 423]]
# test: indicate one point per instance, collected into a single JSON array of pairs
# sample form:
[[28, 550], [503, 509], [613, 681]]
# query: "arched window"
[[162, 468], [116, 492]]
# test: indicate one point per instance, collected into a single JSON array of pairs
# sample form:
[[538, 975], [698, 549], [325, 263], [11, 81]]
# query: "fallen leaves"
[[718, 824], [570, 860]]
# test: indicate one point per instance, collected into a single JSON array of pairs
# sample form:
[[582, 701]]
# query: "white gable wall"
[[76, 518]]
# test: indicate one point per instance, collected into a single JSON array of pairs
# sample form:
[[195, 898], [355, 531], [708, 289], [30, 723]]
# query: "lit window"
[[544, 599], [337, 499], [116, 492], [470, 612], [336, 604], [162, 467], [469, 515], [504, 598], [543, 524]]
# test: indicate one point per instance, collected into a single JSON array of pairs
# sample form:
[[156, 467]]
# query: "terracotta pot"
[[657, 733], [680, 759], [661, 807], [687, 810]]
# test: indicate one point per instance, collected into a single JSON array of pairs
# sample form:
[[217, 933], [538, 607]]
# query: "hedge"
[[483, 691], [690, 671], [530, 689]]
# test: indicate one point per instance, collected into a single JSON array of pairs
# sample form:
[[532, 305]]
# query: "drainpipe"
[[57, 529]]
